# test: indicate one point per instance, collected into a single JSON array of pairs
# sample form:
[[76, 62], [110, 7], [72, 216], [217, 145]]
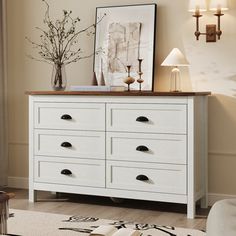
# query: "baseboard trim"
[[215, 153], [22, 183], [18, 182], [214, 197]]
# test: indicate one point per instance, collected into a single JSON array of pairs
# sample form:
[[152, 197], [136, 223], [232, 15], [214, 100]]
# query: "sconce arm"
[[197, 32], [218, 32]]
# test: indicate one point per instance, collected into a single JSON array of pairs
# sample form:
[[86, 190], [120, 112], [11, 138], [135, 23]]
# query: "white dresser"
[[150, 145]]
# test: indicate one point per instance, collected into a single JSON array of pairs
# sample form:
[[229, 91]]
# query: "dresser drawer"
[[162, 148], [152, 118], [79, 144], [83, 172], [162, 178], [75, 116]]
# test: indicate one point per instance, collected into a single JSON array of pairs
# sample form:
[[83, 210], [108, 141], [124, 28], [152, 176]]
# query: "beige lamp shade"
[[218, 5], [197, 5], [175, 58]]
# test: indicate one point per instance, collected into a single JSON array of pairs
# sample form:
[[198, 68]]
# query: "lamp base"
[[175, 81]]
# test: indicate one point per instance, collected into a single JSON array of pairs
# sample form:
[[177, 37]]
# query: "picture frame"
[[125, 36]]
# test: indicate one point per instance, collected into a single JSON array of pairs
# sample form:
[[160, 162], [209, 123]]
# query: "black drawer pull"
[[142, 148], [66, 172], [66, 117], [66, 144], [142, 178], [142, 119]]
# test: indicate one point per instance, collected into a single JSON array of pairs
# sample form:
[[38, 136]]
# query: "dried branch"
[[59, 39], [36, 59]]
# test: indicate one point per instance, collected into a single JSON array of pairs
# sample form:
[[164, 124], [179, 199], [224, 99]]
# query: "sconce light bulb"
[[197, 11], [218, 9], [218, 6], [197, 6]]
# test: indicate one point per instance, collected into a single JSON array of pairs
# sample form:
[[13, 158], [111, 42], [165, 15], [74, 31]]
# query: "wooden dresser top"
[[126, 93]]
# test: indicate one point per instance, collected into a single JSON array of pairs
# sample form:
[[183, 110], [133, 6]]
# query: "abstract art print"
[[125, 35]]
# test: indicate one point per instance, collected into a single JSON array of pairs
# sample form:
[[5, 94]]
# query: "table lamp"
[[175, 59]]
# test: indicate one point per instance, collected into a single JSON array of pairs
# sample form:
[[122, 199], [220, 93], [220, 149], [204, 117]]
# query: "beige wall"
[[213, 68]]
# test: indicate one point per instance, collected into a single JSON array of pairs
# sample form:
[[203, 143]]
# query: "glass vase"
[[58, 79]]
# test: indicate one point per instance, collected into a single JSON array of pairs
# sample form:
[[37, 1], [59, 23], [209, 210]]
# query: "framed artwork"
[[125, 41]]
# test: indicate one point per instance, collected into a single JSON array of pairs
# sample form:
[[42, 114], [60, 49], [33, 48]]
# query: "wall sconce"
[[212, 31]]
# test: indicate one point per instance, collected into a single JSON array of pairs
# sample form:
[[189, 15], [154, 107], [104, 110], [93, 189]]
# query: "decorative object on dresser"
[[63, 48], [140, 73], [129, 80], [97, 88], [89, 88], [199, 6], [102, 79], [95, 80], [126, 34], [149, 145], [175, 59]]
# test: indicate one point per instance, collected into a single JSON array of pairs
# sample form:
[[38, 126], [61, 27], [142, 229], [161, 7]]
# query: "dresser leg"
[[191, 210], [32, 195]]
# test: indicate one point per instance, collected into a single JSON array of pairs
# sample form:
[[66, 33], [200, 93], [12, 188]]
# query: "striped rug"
[[31, 223]]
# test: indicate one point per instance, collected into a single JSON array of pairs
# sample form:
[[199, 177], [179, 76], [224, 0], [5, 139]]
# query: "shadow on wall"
[[222, 124], [222, 148]]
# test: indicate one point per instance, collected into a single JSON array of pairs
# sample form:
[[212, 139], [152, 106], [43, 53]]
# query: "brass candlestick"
[[129, 80], [140, 73]]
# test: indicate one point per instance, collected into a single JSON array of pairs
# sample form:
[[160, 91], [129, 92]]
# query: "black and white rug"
[[31, 223]]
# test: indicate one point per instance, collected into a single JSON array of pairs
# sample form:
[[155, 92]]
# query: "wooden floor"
[[131, 210]]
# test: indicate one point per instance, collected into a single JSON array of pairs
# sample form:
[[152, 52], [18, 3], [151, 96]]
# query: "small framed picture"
[[125, 45]]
